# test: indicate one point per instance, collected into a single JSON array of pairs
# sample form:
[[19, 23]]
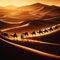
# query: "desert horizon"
[[28, 2]]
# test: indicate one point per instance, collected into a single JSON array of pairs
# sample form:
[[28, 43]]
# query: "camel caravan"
[[33, 33]]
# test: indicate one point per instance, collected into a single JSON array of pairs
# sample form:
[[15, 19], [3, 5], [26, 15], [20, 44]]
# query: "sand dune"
[[30, 12], [33, 25]]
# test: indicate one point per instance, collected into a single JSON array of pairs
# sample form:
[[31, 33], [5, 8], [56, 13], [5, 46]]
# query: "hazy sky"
[[28, 2]]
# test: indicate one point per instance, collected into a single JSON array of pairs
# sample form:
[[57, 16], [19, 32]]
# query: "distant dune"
[[38, 15], [30, 12]]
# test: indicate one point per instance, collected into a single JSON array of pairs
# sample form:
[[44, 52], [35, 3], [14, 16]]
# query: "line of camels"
[[40, 31], [33, 33]]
